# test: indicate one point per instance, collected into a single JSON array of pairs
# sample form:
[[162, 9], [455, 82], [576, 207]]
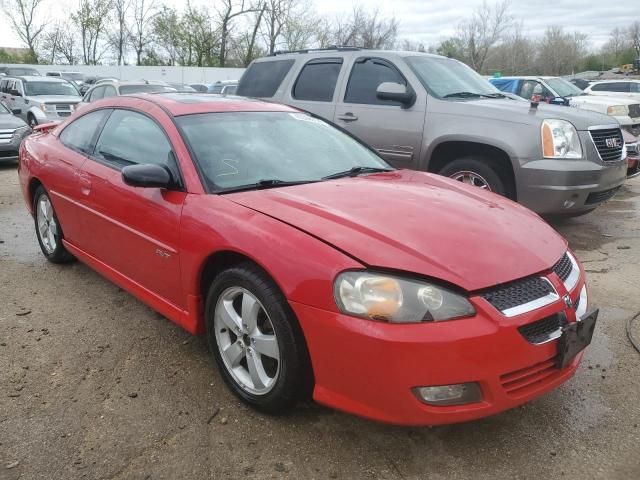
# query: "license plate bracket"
[[575, 338]]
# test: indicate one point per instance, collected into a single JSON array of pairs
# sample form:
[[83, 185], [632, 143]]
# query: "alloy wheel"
[[471, 178], [47, 225], [246, 341]]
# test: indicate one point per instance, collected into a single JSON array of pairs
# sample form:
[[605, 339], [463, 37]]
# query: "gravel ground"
[[94, 384]]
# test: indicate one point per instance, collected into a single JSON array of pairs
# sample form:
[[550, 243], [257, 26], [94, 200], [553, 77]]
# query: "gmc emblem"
[[613, 142]]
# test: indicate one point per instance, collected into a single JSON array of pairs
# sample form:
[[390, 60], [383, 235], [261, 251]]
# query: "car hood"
[[56, 99], [507, 110], [9, 121], [417, 222]]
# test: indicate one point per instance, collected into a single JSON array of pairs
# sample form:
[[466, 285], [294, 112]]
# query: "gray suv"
[[431, 113], [39, 99]]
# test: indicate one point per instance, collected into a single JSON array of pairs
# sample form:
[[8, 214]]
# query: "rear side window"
[[366, 75], [262, 79], [109, 91], [317, 80], [96, 94], [611, 87], [79, 134]]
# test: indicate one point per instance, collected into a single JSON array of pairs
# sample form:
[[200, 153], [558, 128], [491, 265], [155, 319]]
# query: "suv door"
[[394, 131], [17, 101], [314, 89]]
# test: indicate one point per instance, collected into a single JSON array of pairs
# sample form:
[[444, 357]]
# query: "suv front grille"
[[634, 110], [544, 330], [509, 297], [6, 135], [599, 197], [609, 143], [563, 267]]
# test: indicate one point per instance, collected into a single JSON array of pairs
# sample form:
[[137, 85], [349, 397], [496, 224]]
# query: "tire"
[[477, 167], [31, 120], [49, 238], [287, 380]]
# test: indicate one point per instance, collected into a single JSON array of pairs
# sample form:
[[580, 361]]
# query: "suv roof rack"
[[339, 48]]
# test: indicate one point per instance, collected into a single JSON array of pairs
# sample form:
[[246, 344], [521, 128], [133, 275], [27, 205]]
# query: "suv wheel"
[[32, 120], [478, 172]]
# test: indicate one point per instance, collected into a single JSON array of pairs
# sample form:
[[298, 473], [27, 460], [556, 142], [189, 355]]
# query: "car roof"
[[176, 103], [345, 52], [37, 78], [617, 80]]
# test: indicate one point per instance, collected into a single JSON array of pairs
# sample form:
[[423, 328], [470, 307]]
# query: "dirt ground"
[[94, 384]]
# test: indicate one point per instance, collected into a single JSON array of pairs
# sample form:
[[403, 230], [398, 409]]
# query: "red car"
[[311, 265]]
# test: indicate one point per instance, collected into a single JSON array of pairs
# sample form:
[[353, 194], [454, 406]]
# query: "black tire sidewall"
[[292, 381], [60, 254], [482, 167], [31, 120]]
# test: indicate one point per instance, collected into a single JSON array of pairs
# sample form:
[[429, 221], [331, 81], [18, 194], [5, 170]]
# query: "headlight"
[[389, 298], [560, 140], [618, 110], [48, 108]]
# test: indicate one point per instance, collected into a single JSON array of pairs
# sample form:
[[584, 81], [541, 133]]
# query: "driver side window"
[[366, 76]]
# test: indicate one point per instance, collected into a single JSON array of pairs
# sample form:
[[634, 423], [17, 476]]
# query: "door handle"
[[348, 117]]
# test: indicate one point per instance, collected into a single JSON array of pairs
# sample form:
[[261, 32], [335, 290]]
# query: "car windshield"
[[251, 149], [564, 88], [34, 89], [144, 88], [444, 77], [75, 76], [21, 72]]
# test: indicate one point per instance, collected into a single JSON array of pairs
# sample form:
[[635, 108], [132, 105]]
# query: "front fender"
[[38, 113]]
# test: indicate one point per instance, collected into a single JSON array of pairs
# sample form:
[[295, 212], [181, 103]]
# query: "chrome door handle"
[[348, 117]]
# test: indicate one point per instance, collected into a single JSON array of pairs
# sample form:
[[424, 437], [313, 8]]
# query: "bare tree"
[[22, 15], [250, 37], [300, 29], [230, 10], [634, 37], [483, 31], [560, 53], [119, 36], [275, 18], [141, 29], [91, 19], [68, 46], [50, 44], [363, 28]]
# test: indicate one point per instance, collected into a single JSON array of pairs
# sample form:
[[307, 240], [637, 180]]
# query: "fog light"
[[457, 394], [568, 204]]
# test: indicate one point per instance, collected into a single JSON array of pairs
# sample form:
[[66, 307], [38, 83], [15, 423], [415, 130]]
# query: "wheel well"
[[449, 151], [34, 183], [216, 263]]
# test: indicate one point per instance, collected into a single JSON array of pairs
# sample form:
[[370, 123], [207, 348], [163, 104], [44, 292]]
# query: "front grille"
[[609, 143], [518, 293], [563, 267], [634, 110], [599, 197], [542, 331], [527, 381], [6, 135]]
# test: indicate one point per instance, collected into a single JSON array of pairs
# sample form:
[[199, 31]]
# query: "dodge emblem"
[[567, 301]]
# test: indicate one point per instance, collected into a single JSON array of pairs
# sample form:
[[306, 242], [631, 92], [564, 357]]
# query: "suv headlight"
[[560, 140], [48, 108], [618, 110], [389, 298]]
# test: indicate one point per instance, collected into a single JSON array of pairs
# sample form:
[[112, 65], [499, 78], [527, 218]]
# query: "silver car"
[[12, 132], [431, 113], [39, 99]]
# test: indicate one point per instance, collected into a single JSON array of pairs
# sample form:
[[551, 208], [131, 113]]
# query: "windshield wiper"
[[266, 183], [474, 95], [355, 171]]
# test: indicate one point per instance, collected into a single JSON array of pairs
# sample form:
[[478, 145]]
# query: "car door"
[[314, 88], [67, 156], [394, 131], [134, 231]]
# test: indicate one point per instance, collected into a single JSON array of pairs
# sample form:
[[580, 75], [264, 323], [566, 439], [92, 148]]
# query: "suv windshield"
[[34, 89], [444, 77], [144, 88], [564, 88], [21, 72], [257, 149]]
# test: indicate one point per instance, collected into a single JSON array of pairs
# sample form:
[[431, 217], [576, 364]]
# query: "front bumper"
[[9, 149], [369, 368]]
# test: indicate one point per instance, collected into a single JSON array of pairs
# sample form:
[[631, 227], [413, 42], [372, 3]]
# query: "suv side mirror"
[[147, 175], [15, 92], [396, 92], [16, 111]]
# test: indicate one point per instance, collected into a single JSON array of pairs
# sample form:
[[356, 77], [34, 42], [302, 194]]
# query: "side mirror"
[[16, 111], [396, 92], [15, 92], [147, 176], [559, 101]]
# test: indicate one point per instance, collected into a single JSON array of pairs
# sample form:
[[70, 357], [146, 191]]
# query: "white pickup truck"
[[558, 91]]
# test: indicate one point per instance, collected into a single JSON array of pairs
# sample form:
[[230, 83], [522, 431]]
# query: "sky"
[[429, 21]]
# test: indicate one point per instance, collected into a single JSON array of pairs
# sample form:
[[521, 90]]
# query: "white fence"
[[132, 72]]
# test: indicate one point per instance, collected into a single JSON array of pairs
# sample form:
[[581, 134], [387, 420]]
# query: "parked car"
[[12, 131], [299, 253], [110, 88], [632, 145], [619, 88], [39, 99], [581, 83], [435, 114], [90, 81], [75, 77], [224, 87], [559, 91], [182, 87], [19, 71], [200, 87]]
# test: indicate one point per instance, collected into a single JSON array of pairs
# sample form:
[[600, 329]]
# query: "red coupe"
[[312, 266]]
